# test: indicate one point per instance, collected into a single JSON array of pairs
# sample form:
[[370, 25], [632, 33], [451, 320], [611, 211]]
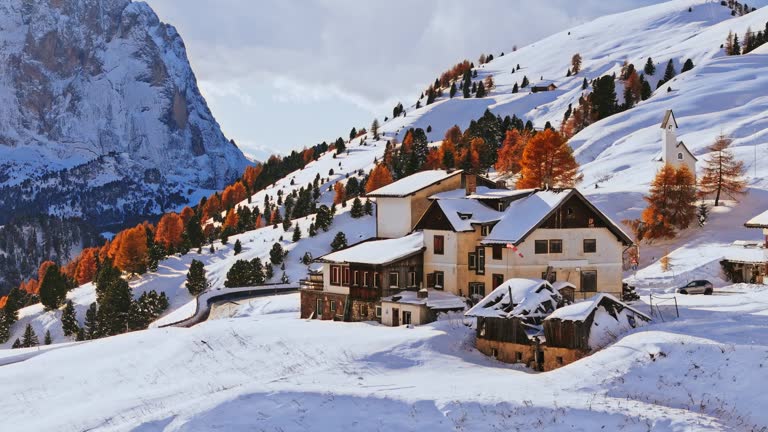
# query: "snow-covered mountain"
[[100, 113], [264, 366]]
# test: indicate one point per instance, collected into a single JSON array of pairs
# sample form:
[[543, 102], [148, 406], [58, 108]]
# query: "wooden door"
[[395, 317]]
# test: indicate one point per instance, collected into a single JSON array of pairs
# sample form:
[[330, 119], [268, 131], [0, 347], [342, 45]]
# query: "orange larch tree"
[[170, 230], [340, 193], [212, 207], [723, 173], [378, 178], [87, 266], [511, 152], [132, 254], [671, 204], [187, 214], [231, 220], [548, 162]]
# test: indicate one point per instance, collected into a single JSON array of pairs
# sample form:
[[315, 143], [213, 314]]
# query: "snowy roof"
[[524, 215], [742, 252], [379, 252], [759, 221], [669, 115], [462, 213], [413, 183], [482, 192], [436, 300], [518, 297], [581, 311]]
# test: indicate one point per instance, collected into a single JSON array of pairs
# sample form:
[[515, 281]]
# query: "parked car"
[[697, 287]]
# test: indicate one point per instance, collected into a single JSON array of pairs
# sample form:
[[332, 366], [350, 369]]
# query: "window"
[[439, 245], [364, 310], [590, 245], [345, 276], [541, 247], [591, 222], [480, 260], [589, 281], [494, 353], [496, 251], [569, 213], [439, 280], [406, 318], [412, 279], [679, 156], [394, 279], [518, 357], [378, 311], [477, 289], [375, 279], [356, 278], [498, 279], [552, 276], [555, 246], [472, 261], [335, 272], [366, 279], [319, 308], [500, 206], [559, 361], [485, 230], [333, 307]]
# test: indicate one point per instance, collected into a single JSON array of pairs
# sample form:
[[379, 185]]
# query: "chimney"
[[470, 181], [423, 293]]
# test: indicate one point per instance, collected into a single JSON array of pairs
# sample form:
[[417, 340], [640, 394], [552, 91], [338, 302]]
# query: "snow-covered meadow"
[[259, 367]]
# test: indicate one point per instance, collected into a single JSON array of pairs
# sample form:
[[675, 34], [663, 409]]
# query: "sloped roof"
[[527, 298], [669, 115], [580, 311], [413, 183], [526, 214], [759, 221], [462, 213], [378, 252], [435, 300]]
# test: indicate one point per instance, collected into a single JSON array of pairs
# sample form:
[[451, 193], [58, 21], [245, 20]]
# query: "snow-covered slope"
[[100, 113], [265, 369]]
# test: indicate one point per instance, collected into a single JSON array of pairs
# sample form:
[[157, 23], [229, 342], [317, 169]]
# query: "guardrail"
[[205, 300]]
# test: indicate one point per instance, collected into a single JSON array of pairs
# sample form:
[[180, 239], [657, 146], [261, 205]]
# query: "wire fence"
[[664, 303]]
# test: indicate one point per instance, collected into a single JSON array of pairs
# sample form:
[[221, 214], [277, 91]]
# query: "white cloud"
[[361, 53]]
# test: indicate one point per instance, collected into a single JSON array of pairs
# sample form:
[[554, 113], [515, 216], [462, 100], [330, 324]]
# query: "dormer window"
[[679, 156], [465, 216]]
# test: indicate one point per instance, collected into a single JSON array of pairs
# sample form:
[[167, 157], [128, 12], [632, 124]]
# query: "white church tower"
[[675, 152]]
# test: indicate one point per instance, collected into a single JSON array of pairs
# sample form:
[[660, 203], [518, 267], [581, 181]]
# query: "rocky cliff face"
[[101, 125], [100, 114]]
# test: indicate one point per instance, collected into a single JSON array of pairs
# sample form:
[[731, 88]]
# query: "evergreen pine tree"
[[113, 310], [297, 233], [47, 339], [16, 344], [269, 271], [628, 293], [53, 288], [688, 65], [525, 82], [452, 92], [466, 84], [515, 88], [5, 328], [650, 68], [239, 275], [196, 279], [238, 247], [92, 322], [312, 230], [211, 249], [284, 278], [736, 47], [30, 337], [670, 71], [80, 334], [276, 254], [702, 213], [584, 84], [307, 258], [368, 207], [339, 241], [357, 210], [480, 90], [69, 319]]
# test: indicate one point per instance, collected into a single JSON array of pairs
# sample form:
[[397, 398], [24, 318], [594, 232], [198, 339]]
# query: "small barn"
[[543, 88], [573, 332], [509, 320]]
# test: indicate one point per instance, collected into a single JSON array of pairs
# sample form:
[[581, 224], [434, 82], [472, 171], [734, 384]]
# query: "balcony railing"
[[311, 284]]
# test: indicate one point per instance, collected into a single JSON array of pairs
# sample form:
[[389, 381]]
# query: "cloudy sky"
[[283, 74]]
